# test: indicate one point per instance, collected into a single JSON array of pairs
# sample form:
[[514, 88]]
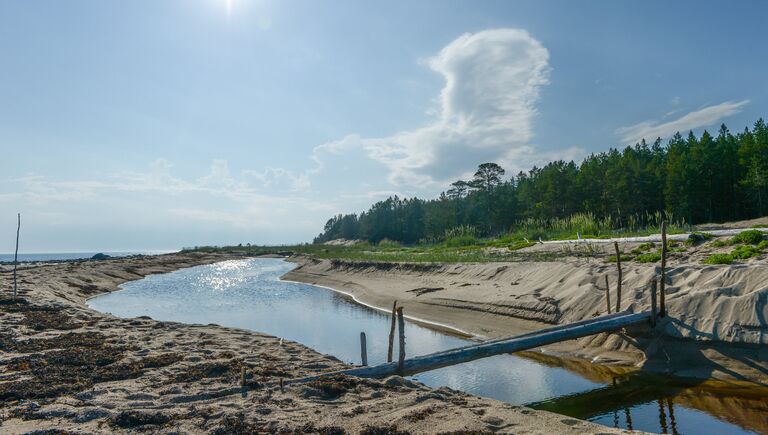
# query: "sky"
[[162, 124]]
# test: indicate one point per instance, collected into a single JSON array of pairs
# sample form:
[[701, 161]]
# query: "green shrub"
[[760, 226], [696, 238], [762, 245], [458, 241], [612, 258], [520, 245], [745, 251], [650, 257], [721, 243], [386, 243], [719, 259], [752, 237]]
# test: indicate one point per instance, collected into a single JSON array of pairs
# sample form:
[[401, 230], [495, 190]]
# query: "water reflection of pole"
[[628, 417], [662, 417], [616, 418], [672, 421]]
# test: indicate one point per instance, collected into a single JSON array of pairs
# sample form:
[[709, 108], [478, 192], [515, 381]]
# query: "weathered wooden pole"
[[653, 303], [401, 330], [363, 349], [242, 376], [662, 284], [392, 332], [607, 294], [618, 283], [16, 255]]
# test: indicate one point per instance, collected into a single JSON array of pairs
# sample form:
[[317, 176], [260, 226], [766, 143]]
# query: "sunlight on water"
[[249, 294]]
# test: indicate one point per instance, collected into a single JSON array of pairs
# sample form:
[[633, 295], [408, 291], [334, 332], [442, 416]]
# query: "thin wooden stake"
[[662, 305], [618, 283], [392, 332], [401, 330], [16, 255], [242, 376], [653, 303], [363, 349], [607, 294]]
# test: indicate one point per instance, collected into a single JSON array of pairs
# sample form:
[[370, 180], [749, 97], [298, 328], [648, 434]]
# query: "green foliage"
[[760, 226], [744, 252], [719, 243], [752, 237], [643, 247], [460, 231], [520, 245], [719, 259], [458, 241], [762, 245], [386, 243], [650, 257], [612, 258], [696, 238]]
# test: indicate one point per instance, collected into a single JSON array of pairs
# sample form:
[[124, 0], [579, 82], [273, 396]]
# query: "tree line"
[[695, 179]]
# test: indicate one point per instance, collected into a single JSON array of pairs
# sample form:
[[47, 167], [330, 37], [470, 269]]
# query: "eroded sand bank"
[[66, 367], [716, 325]]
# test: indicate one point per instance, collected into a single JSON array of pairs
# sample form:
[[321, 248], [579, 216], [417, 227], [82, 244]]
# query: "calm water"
[[248, 294], [51, 256]]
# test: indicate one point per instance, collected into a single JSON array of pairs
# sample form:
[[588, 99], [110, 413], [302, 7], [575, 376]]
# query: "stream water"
[[249, 294]]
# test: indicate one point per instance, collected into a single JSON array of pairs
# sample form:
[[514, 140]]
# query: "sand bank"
[[65, 367], [716, 327]]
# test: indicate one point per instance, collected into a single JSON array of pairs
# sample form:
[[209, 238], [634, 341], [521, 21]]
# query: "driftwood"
[[392, 332], [618, 283], [473, 352]]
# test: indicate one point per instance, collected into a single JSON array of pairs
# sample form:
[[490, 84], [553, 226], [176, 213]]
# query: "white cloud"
[[650, 130], [486, 110]]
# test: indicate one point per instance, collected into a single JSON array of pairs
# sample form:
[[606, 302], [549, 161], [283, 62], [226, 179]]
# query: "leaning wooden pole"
[[16, 255], [392, 332], [663, 281], [401, 331], [618, 283], [607, 294]]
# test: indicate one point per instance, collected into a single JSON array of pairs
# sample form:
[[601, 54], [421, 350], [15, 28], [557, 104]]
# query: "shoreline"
[[67, 367], [473, 298]]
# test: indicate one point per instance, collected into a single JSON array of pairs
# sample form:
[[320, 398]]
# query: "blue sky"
[[161, 124]]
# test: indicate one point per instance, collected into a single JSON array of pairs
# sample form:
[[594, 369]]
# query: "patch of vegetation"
[[458, 241], [745, 251], [751, 237], [762, 245], [643, 247], [760, 226], [520, 245], [650, 257], [696, 238], [386, 243], [612, 258], [719, 259], [719, 243]]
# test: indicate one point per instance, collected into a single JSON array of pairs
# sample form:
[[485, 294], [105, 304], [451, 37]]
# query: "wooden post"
[[653, 303], [363, 349], [401, 330], [16, 255], [618, 283], [607, 294], [662, 306], [392, 332], [242, 376]]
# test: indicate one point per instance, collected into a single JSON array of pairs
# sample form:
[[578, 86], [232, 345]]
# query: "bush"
[[720, 243], [762, 245], [697, 237], [644, 247], [386, 243], [752, 237], [650, 257], [745, 251], [719, 259], [459, 241]]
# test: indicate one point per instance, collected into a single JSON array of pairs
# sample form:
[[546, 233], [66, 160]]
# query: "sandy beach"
[[65, 368], [716, 324]]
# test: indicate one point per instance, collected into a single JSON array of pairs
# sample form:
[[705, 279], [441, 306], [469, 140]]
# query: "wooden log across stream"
[[518, 343]]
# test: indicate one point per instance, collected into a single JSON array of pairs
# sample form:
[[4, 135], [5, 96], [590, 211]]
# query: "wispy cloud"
[[650, 130], [486, 109]]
